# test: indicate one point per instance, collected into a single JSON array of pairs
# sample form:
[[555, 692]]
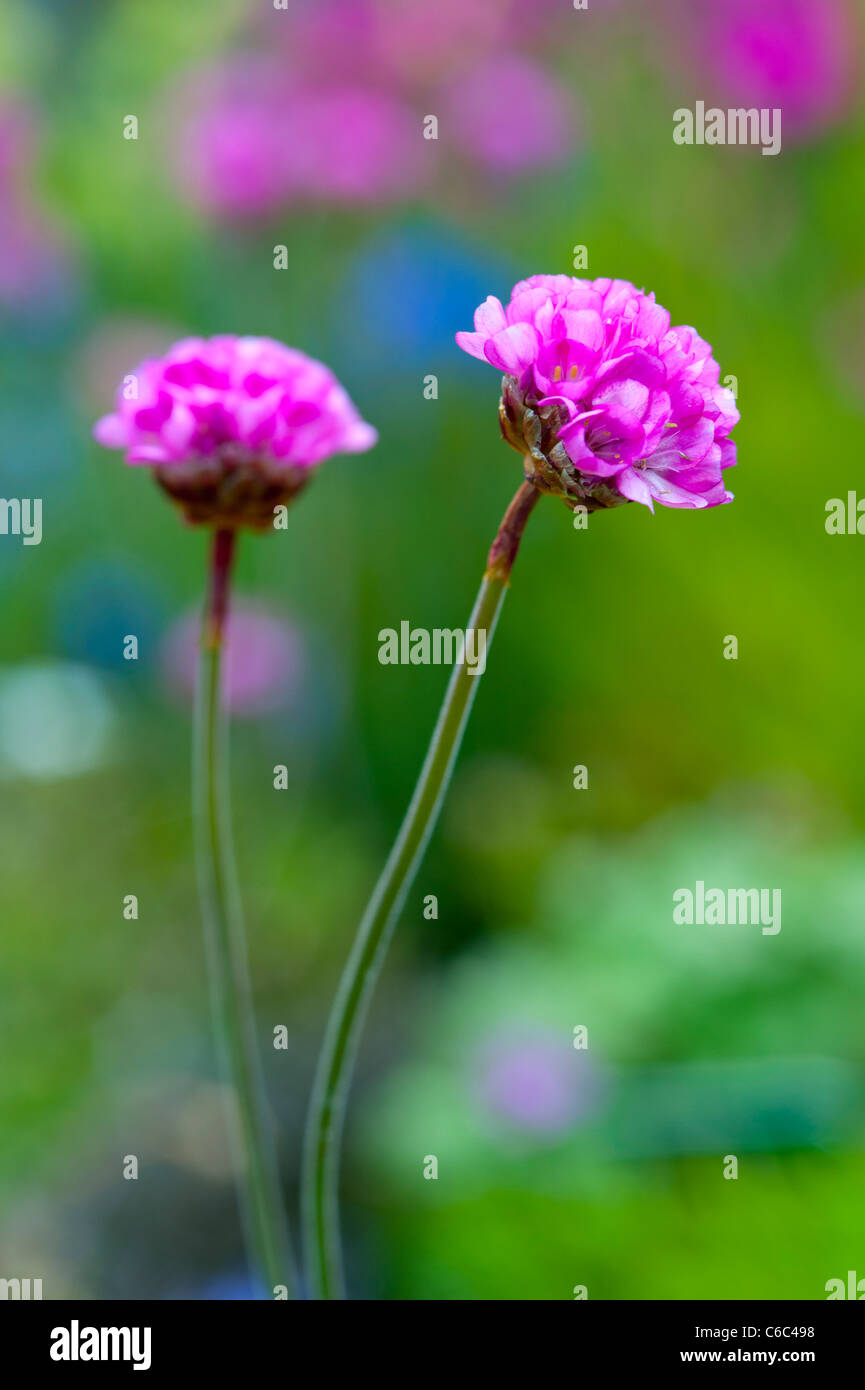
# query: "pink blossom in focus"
[[638, 404], [207, 393], [794, 54], [510, 114], [263, 665]]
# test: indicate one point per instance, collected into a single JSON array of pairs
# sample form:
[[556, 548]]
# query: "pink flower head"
[[791, 54], [334, 39], [233, 156], [533, 129], [606, 402], [233, 426], [418, 41], [355, 144]]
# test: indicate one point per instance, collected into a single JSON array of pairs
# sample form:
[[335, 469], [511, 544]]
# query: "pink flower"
[[605, 400], [264, 659], [420, 41], [529, 1081], [233, 156], [233, 425], [510, 114], [330, 40], [36, 262], [356, 144], [791, 54], [254, 138]]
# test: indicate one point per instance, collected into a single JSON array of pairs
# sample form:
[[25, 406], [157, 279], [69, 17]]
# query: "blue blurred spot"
[[234, 1288], [101, 604], [409, 291]]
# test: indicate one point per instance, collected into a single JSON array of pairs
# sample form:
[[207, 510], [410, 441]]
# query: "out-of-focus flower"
[[606, 401], [357, 144], [334, 39], [256, 137], [234, 156], [534, 1081], [418, 41], [264, 659], [233, 426], [34, 259], [791, 54], [510, 114]]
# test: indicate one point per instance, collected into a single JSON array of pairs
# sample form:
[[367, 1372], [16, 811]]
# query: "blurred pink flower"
[[233, 425], [264, 659], [357, 144], [794, 54], [534, 1081], [331, 40], [234, 156], [605, 400], [510, 114], [419, 41], [258, 135], [35, 260]]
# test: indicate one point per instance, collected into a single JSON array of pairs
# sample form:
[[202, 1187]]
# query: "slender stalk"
[[320, 1177], [262, 1210]]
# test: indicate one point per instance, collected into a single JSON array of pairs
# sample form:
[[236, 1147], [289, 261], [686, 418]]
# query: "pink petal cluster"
[[208, 394], [334, 110], [253, 139], [229, 141], [533, 129], [639, 401]]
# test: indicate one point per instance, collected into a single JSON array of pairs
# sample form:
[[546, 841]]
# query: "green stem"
[[320, 1177], [262, 1210]]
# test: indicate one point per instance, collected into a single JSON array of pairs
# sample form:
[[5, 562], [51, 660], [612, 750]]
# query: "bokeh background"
[[303, 128]]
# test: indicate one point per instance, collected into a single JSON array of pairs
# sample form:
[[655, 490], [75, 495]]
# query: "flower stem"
[[320, 1176], [253, 1151]]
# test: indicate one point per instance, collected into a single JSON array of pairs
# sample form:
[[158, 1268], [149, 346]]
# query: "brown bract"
[[232, 489], [533, 430]]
